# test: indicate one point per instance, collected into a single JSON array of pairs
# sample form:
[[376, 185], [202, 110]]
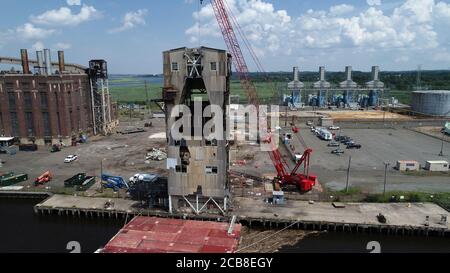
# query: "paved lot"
[[379, 146], [367, 169]]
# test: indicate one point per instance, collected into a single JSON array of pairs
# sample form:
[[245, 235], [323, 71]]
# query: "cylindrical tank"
[[433, 103]]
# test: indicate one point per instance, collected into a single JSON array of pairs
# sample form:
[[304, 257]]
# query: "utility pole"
[[146, 94], [348, 174], [386, 164]]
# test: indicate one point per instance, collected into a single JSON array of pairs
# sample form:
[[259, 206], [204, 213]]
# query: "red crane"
[[225, 19], [304, 181]]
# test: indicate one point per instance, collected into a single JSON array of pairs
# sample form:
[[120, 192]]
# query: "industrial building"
[[432, 103], [198, 167], [348, 94], [294, 89], [52, 106]]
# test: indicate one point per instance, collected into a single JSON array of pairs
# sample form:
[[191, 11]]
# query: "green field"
[[130, 89]]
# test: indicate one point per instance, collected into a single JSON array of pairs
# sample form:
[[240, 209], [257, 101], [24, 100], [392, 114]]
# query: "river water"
[[22, 231]]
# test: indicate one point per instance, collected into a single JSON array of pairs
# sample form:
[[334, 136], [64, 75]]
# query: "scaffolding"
[[100, 97]]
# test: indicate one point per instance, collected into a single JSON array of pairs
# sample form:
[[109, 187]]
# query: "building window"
[[46, 120], [14, 124], [211, 170], [29, 123], [213, 66], [27, 100], [12, 100], [174, 66], [181, 169], [44, 100]]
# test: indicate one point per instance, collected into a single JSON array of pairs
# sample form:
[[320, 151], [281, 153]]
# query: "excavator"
[[43, 179]]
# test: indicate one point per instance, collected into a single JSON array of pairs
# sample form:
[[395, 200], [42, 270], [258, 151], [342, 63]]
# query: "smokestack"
[[322, 73], [61, 61], [48, 62], [296, 74], [375, 73], [348, 72], [40, 61], [25, 62]]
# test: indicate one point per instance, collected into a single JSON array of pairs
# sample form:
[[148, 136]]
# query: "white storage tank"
[[433, 103]]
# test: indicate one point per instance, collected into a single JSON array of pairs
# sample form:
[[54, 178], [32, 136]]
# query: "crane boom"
[[234, 48]]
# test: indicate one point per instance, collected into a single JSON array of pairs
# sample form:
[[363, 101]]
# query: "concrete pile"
[[156, 155]]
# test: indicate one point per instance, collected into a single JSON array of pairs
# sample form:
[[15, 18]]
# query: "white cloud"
[[38, 46], [30, 32], [131, 20], [62, 46], [373, 2], [341, 9], [64, 16], [412, 24], [73, 2]]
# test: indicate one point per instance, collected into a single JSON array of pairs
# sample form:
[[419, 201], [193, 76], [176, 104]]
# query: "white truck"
[[324, 134]]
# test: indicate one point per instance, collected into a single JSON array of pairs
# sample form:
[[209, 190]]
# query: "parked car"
[[313, 129], [340, 138], [333, 144], [338, 152], [70, 159], [349, 142], [354, 146], [334, 128], [309, 123]]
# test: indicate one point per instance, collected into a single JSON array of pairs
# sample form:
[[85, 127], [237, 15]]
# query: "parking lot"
[[367, 167]]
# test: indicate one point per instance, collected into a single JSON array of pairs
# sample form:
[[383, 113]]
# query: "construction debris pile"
[[156, 155]]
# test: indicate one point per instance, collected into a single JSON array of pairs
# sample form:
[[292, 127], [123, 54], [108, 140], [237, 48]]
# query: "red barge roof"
[[161, 235]]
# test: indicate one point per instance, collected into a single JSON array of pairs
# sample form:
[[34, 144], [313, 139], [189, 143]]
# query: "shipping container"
[[13, 180], [76, 180], [87, 183]]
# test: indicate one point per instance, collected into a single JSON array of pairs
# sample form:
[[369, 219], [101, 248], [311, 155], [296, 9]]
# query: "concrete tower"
[[196, 78]]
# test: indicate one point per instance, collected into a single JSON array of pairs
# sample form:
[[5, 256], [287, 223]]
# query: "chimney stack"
[[348, 72], [40, 61], [48, 62], [25, 62], [61, 62], [322, 73], [375, 73], [296, 74]]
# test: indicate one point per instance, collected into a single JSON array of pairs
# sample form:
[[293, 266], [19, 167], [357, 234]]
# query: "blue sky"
[[130, 35]]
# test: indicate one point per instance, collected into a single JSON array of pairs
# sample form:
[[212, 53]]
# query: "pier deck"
[[402, 218], [351, 216]]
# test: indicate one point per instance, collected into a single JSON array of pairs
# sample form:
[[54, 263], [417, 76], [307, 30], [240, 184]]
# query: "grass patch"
[[441, 199]]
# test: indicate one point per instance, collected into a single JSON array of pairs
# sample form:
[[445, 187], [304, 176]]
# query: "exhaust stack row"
[[44, 62]]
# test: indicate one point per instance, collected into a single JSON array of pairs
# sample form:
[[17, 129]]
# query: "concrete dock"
[[419, 219], [402, 218]]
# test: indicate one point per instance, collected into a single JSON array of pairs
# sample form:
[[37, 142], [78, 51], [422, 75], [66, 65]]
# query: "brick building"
[[46, 107]]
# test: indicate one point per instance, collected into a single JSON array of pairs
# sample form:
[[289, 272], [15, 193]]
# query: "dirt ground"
[[122, 155], [433, 131], [364, 115]]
